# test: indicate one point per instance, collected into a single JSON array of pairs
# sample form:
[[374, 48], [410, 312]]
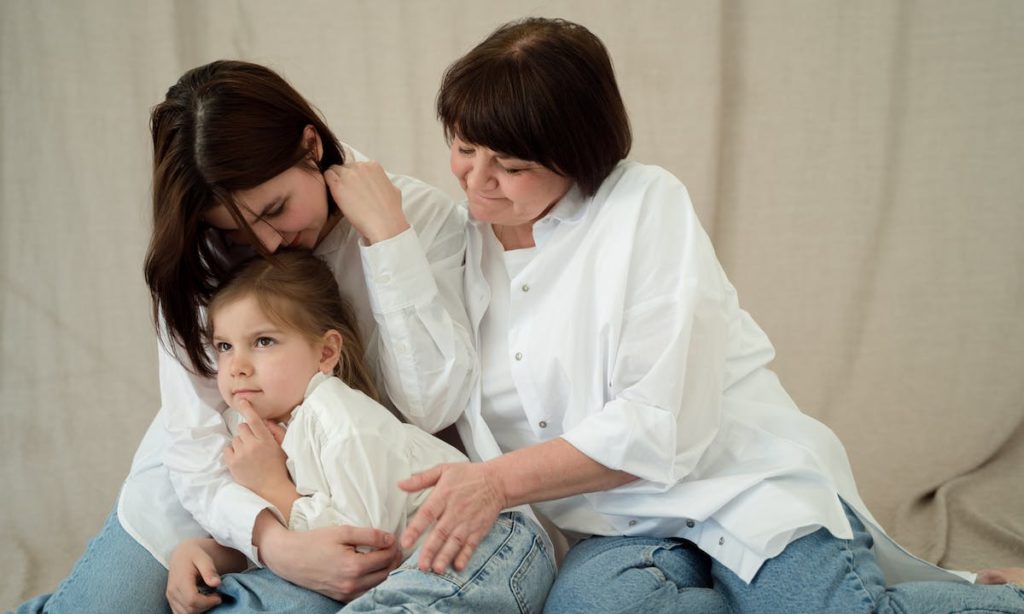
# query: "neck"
[[514, 237], [333, 217]]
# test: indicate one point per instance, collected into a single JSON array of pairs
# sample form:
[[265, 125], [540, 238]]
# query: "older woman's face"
[[503, 190]]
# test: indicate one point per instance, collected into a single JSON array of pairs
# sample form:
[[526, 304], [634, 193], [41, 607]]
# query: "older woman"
[[624, 392]]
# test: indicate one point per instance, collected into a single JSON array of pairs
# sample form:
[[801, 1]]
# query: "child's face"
[[260, 361]]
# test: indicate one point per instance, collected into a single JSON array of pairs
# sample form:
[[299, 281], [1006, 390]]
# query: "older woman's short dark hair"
[[541, 90]]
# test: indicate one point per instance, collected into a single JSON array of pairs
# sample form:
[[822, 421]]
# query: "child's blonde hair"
[[297, 290]]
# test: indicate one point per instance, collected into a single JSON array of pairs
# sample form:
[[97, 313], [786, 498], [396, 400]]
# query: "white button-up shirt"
[[346, 455], [626, 339], [407, 295]]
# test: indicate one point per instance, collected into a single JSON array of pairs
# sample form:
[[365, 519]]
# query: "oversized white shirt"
[[407, 295], [626, 339], [346, 455]]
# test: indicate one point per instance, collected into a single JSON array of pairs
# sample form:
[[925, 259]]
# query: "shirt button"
[[519, 355], [721, 541], [543, 424], [690, 523], [384, 279], [526, 287], [632, 523]]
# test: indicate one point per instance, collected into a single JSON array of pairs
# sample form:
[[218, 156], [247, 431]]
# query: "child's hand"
[[255, 457], [256, 460], [191, 565]]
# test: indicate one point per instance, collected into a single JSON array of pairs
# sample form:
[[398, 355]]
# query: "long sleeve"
[[349, 480], [415, 284], [194, 458]]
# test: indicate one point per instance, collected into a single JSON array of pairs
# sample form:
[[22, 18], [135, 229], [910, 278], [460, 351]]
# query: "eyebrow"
[[262, 332]]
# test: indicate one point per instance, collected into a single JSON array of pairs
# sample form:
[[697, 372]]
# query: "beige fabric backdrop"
[[860, 167]]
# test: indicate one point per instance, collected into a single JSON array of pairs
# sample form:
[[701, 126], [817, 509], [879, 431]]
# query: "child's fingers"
[[208, 572], [276, 430], [253, 420]]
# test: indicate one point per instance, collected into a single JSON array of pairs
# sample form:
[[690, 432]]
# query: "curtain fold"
[[858, 166]]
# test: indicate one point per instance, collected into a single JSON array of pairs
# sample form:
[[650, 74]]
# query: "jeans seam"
[[849, 557], [521, 570], [461, 588]]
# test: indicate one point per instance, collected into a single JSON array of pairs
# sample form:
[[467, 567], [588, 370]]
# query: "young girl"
[[288, 351], [244, 165]]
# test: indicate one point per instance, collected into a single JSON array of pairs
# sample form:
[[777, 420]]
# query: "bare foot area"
[[1005, 575]]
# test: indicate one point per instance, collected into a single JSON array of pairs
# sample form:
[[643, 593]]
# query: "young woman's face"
[[260, 361], [503, 190], [288, 210]]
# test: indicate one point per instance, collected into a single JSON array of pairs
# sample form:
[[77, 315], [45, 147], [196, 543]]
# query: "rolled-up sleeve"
[[665, 380]]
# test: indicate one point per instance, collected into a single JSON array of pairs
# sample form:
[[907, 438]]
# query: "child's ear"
[[330, 353]]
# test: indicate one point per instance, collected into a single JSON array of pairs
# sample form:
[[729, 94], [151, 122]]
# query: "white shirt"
[[626, 339], [346, 455], [407, 295]]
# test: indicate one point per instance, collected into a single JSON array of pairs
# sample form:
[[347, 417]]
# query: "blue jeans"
[[511, 571], [817, 573], [115, 574]]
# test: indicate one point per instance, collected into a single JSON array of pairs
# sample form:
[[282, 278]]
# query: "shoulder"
[[630, 178], [336, 407], [646, 197]]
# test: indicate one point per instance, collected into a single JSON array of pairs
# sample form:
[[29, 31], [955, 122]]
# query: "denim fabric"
[[821, 573], [511, 571], [817, 573], [114, 575], [634, 574], [261, 590]]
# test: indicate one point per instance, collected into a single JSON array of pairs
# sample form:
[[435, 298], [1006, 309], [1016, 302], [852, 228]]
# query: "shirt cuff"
[[245, 507], [624, 436], [397, 272]]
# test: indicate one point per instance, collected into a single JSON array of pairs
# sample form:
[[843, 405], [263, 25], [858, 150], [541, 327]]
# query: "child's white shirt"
[[346, 455]]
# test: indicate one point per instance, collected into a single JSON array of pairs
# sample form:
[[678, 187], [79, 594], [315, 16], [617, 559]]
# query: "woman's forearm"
[[551, 470]]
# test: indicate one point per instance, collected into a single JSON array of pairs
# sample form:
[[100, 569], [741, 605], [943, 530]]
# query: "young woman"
[[623, 391], [288, 351], [243, 165]]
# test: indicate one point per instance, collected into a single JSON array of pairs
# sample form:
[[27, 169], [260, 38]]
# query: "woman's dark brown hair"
[[223, 127], [541, 90], [297, 291]]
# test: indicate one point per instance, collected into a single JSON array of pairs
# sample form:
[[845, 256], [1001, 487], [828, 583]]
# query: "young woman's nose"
[[270, 238]]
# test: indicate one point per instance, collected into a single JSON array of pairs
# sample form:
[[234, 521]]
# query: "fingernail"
[[388, 539]]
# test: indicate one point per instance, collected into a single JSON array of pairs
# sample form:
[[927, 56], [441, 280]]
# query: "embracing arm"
[[662, 408], [324, 560], [194, 458], [467, 497]]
